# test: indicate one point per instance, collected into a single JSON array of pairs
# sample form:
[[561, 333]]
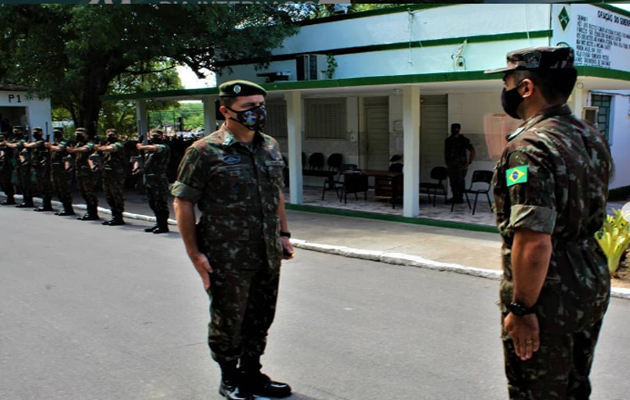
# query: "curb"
[[371, 255]]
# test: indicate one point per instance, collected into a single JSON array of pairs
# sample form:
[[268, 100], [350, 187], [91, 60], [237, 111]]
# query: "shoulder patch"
[[516, 175]]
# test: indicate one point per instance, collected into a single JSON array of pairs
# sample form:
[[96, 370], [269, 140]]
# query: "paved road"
[[90, 312]]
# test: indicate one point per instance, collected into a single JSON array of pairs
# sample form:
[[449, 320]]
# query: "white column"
[[294, 125], [142, 118], [209, 114], [411, 127], [579, 99]]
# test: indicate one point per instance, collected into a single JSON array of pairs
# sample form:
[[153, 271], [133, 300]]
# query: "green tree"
[[72, 53]]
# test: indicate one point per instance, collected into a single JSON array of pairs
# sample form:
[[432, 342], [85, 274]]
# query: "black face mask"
[[112, 139], [37, 136], [155, 140], [253, 119], [80, 138], [18, 136], [58, 138], [510, 100]]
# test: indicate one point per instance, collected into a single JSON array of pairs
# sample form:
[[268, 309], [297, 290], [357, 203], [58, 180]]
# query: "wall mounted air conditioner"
[[590, 114], [311, 67]]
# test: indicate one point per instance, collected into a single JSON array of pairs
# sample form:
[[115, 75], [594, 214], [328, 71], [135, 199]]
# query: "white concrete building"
[[374, 84], [17, 108]]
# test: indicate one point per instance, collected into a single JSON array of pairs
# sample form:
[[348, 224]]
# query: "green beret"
[[240, 88], [537, 59]]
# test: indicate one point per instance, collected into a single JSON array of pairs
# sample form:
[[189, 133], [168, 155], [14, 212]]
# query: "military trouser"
[[457, 178], [24, 183], [5, 182], [113, 184], [242, 308], [157, 194], [559, 370], [60, 183], [87, 186], [44, 185]]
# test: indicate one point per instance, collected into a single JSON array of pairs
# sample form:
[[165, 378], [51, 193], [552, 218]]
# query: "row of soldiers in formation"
[[53, 163]]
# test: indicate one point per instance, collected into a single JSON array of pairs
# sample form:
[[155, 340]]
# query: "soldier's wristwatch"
[[286, 234], [518, 309]]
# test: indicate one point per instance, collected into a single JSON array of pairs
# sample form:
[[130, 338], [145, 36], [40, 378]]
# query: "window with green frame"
[[603, 115]]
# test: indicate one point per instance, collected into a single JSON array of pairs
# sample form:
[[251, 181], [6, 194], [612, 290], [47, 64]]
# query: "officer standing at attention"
[[22, 166], [114, 162], [59, 173], [40, 156], [456, 148], [550, 189], [155, 165], [6, 171], [86, 179], [235, 176]]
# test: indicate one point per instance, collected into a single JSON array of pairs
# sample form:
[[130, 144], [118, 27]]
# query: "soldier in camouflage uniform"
[[456, 148], [22, 165], [235, 176], [86, 178], [155, 165], [7, 163], [550, 189], [114, 163], [59, 174], [40, 157]]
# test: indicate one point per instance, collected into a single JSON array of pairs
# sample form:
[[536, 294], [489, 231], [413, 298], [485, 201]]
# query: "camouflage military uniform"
[[7, 163], [59, 175], [114, 178], [41, 165], [457, 161], [86, 179], [553, 178], [23, 171], [155, 166], [238, 191]]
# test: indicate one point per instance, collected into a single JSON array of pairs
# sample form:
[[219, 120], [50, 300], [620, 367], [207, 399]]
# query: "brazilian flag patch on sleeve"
[[516, 175]]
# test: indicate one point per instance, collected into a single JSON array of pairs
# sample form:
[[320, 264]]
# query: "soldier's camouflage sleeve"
[[190, 176], [117, 147], [533, 200], [160, 148]]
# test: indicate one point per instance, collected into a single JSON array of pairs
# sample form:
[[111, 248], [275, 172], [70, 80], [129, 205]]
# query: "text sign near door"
[[600, 37], [14, 98]]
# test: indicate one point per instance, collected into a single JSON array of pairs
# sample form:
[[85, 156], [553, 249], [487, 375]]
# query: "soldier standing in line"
[[86, 179], [456, 148], [22, 166], [235, 176], [155, 165], [59, 174], [40, 156], [7, 164], [550, 189], [114, 162]]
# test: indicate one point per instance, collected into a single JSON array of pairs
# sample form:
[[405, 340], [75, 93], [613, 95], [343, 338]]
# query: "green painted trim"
[[402, 46], [372, 13], [365, 81], [614, 9], [603, 73], [393, 218]]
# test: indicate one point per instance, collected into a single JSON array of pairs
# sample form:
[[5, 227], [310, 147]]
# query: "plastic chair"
[[483, 179], [439, 174], [334, 164], [316, 161]]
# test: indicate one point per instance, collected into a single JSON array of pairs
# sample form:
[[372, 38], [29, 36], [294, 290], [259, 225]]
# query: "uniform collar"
[[229, 139], [553, 111]]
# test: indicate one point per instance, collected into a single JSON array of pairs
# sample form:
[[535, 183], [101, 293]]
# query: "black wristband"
[[285, 234]]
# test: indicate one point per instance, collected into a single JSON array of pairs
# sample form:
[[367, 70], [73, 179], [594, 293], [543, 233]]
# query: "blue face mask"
[[253, 119]]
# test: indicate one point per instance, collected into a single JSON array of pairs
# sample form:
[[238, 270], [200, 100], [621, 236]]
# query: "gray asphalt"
[[90, 312]]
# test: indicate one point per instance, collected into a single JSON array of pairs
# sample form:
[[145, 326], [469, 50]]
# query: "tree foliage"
[[73, 53]]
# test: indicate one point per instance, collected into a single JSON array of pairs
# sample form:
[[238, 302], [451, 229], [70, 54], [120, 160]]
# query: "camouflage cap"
[[18, 128], [38, 129], [58, 129], [111, 132], [3, 136], [240, 88], [82, 130], [537, 58]]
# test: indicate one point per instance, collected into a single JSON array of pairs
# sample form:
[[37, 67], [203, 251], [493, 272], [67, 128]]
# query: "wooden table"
[[387, 185]]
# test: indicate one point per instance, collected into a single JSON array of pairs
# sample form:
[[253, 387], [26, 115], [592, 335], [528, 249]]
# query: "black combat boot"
[[91, 214], [151, 229], [28, 203], [47, 206], [117, 219], [67, 210], [162, 223], [260, 385], [230, 387]]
